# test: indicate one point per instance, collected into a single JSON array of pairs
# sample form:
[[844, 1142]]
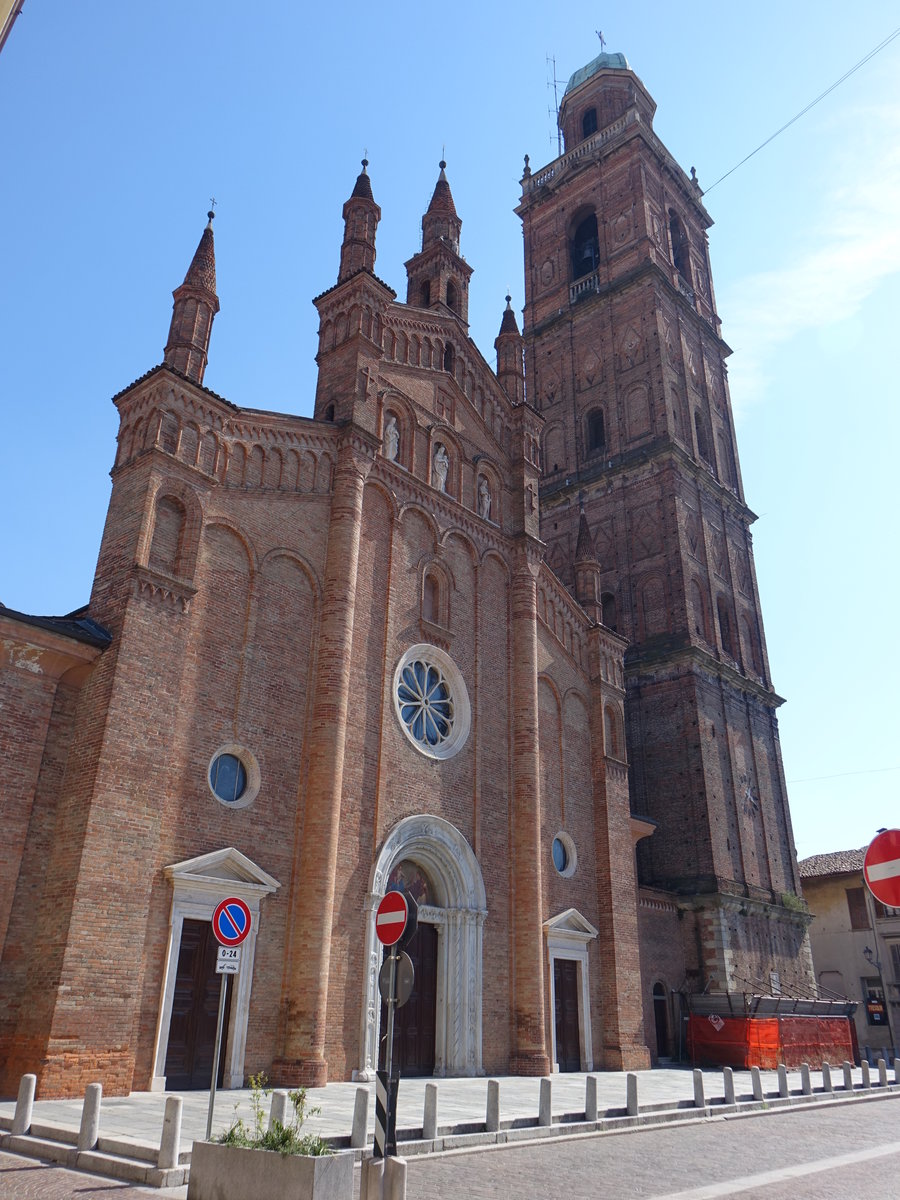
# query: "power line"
[[881, 45], [844, 775]]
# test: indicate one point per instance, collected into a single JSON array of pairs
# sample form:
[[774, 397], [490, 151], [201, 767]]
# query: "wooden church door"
[[565, 991], [195, 1012], [415, 1023]]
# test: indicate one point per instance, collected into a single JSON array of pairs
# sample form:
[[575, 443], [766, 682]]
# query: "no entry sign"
[[390, 919], [231, 921], [881, 867]]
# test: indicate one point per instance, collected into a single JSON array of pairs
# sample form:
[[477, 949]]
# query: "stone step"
[[116, 1166]]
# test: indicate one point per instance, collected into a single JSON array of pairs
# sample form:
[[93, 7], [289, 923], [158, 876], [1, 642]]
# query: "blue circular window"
[[227, 777], [233, 776], [431, 701]]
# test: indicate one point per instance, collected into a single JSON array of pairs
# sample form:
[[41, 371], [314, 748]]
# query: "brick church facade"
[[477, 633]]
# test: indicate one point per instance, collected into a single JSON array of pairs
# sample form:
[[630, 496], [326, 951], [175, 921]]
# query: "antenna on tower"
[[551, 61]]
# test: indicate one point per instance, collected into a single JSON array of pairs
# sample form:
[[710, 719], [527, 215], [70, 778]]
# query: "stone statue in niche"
[[484, 498], [391, 439], [440, 465]]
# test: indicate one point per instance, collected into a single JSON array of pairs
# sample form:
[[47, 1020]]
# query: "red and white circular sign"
[[391, 918], [881, 868], [231, 921]]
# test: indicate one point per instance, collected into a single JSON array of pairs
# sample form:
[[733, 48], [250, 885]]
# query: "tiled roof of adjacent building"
[[77, 625], [840, 862]]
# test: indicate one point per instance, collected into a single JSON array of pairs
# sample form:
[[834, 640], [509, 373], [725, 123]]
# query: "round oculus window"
[[563, 854], [431, 701], [233, 776]]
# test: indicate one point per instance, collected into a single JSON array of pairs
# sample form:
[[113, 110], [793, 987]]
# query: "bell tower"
[[626, 363]]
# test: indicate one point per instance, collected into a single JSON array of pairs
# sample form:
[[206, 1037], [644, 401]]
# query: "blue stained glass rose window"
[[425, 702], [431, 702]]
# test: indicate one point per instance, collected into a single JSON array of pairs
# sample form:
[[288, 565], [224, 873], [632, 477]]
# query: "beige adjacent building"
[[855, 944]]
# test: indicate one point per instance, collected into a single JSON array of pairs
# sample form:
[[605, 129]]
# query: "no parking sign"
[[231, 921]]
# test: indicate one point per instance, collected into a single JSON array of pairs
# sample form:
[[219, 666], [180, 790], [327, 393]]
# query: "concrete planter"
[[235, 1173]]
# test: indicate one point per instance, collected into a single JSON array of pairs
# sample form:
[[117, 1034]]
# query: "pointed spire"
[[442, 197], [509, 323], [441, 222], [362, 189], [202, 271], [584, 547], [361, 216], [587, 570], [195, 306], [510, 346]]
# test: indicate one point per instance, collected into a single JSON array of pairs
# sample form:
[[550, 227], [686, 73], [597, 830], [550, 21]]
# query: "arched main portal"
[[458, 913]]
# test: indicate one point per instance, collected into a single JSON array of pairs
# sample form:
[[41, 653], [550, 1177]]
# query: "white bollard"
[[631, 1095], [805, 1080], [699, 1098], [429, 1119], [848, 1076], [756, 1083], [359, 1130], [882, 1072], [827, 1085], [170, 1142], [371, 1180], [24, 1105], [278, 1109], [782, 1081], [395, 1179], [728, 1081], [866, 1074], [545, 1109], [590, 1098], [492, 1116], [90, 1117]]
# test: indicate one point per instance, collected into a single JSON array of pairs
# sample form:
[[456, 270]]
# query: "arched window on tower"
[[585, 247], [426, 294], [596, 432], [589, 122], [449, 358], [681, 255], [452, 296]]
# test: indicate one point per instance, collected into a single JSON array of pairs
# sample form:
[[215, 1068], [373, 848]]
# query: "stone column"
[[529, 1056], [305, 988]]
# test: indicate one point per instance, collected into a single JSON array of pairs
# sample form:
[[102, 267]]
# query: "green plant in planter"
[[284, 1139]]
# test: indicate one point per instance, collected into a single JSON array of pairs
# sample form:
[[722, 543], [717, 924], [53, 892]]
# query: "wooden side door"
[[565, 990], [195, 1011]]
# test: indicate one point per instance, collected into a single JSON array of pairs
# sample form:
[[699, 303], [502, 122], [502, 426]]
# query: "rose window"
[[431, 702], [426, 706]]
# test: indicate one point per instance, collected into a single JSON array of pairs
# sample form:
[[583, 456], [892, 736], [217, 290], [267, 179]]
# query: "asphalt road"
[[838, 1152]]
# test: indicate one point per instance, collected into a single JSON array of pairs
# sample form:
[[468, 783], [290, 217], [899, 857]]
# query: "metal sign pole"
[[389, 1053], [215, 1071]]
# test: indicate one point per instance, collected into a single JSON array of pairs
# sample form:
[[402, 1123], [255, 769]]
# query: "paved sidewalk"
[[460, 1101]]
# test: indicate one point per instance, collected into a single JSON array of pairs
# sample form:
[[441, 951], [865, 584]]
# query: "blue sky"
[[120, 120]]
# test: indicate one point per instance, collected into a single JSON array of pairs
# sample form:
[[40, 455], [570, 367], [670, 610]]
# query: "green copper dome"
[[603, 62]]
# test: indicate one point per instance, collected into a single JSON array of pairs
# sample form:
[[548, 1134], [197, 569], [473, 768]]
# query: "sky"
[[121, 120]]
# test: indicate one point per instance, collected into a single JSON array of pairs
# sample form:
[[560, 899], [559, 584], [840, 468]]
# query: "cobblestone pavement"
[[839, 1152], [25, 1179]]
